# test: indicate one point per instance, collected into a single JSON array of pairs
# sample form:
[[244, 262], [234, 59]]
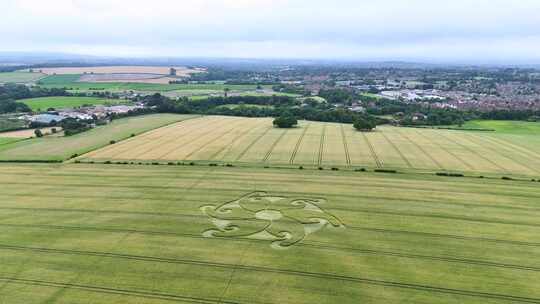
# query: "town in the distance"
[[383, 93]]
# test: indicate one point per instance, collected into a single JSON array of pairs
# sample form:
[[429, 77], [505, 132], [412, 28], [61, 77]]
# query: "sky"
[[481, 31]]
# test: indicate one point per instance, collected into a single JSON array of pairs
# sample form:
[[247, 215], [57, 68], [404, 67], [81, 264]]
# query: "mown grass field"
[[71, 82], [80, 234], [257, 142], [63, 102], [19, 77], [62, 148]]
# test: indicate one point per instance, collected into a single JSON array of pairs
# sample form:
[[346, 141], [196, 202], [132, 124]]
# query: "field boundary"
[[205, 144], [321, 146], [175, 147], [435, 161], [256, 140], [298, 143], [142, 135], [233, 141], [127, 138], [345, 146], [475, 153], [397, 150], [378, 162], [274, 145], [442, 147], [524, 150], [519, 162]]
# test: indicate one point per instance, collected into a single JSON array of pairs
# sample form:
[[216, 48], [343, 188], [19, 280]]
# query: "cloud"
[[294, 28]]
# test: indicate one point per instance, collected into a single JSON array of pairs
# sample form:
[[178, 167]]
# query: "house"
[[419, 116], [358, 109]]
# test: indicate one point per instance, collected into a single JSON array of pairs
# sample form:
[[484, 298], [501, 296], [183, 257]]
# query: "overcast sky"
[[421, 30]]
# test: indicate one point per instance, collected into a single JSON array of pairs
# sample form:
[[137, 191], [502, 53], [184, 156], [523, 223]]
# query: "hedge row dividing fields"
[[255, 141]]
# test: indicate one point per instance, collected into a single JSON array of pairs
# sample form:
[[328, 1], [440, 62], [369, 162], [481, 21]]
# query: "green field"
[[5, 140], [255, 142], [61, 148], [64, 102], [19, 77], [81, 234], [505, 126], [70, 82]]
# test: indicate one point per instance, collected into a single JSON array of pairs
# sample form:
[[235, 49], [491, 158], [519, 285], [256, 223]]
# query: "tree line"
[[10, 93], [277, 106]]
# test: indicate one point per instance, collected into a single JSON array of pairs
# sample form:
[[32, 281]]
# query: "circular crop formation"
[[282, 221]]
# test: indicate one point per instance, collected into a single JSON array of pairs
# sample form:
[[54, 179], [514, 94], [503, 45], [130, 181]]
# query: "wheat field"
[[256, 141]]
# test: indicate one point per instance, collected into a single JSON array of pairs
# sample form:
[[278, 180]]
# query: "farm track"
[[298, 143], [474, 152], [256, 140], [431, 202], [274, 145], [321, 146], [365, 182], [397, 150], [505, 143], [516, 160], [306, 244], [414, 143], [199, 136], [144, 135], [114, 291], [204, 145], [317, 275], [493, 152], [345, 146], [378, 162], [199, 236], [374, 186], [231, 144], [356, 210], [459, 159], [160, 139]]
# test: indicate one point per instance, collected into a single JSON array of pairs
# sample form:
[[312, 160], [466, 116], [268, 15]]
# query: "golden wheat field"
[[256, 141]]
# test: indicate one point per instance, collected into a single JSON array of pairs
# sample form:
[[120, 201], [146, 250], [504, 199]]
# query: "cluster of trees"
[[214, 105], [435, 117], [277, 106], [529, 115], [291, 89], [10, 93], [286, 120], [74, 126], [365, 123], [17, 91], [337, 96], [11, 106]]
